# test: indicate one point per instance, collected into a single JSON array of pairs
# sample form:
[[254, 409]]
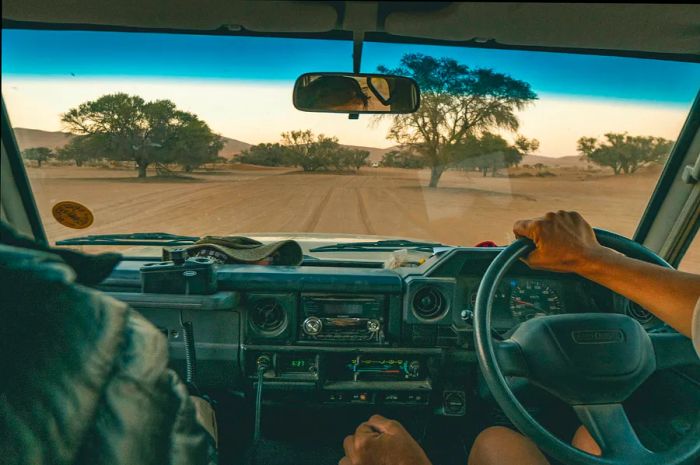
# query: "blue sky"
[[242, 86], [99, 54]]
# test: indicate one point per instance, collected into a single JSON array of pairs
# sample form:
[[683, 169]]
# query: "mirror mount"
[[358, 38]]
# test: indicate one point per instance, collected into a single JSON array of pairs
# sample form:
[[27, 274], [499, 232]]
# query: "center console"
[[340, 349], [337, 377]]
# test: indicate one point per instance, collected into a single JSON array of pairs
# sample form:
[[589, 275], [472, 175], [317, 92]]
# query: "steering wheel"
[[591, 361]]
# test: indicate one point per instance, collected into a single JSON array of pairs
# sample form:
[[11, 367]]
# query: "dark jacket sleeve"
[[84, 377]]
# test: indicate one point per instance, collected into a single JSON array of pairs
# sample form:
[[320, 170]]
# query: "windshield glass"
[[197, 135]]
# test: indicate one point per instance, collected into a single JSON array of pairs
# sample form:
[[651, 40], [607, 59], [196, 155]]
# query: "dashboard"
[[350, 334]]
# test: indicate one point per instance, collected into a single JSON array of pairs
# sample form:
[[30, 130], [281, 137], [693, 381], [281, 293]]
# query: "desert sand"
[[465, 209]]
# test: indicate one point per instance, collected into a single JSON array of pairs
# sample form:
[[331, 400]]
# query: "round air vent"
[[267, 315], [429, 303], [638, 313]]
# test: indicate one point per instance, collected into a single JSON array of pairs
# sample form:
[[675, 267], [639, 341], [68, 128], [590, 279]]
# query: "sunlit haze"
[[242, 86], [255, 113]]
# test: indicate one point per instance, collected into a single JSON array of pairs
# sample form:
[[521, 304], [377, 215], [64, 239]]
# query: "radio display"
[[341, 308], [296, 363]]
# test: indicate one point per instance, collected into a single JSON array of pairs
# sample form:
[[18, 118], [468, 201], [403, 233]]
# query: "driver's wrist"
[[596, 260]]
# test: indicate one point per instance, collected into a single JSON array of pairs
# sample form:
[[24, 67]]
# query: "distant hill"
[[375, 153], [232, 147], [571, 161], [30, 138]]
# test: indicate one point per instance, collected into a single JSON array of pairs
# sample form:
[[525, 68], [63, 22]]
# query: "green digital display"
[[296, 364]]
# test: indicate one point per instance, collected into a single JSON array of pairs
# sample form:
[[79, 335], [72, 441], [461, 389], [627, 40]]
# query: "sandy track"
[[465, 209]]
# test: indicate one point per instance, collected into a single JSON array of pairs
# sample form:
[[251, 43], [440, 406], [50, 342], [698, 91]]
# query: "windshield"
[[197, 135]]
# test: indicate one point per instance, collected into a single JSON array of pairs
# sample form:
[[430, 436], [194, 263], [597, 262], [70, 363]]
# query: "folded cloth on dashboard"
[[239, 249]]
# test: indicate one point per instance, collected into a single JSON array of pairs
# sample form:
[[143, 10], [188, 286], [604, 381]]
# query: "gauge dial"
[[530, 299], [500, 296]]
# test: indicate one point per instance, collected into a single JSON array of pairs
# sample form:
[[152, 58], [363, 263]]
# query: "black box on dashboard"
[[195, 275]]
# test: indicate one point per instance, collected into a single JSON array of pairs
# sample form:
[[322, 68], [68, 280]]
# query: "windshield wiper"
[[156, 238], [378, 246]]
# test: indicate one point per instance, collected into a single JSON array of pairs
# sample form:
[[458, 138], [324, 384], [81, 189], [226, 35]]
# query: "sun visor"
[[270, 16], [620, 27]]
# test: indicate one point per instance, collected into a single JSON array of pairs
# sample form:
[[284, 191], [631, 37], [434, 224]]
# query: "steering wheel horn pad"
[[586, 358], [592, 361]]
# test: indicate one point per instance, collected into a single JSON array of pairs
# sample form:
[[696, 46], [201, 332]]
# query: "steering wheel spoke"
[[510, 358], [673, 350], [609, 425]]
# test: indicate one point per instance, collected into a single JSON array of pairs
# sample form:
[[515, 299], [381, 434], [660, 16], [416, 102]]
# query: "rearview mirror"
[[355, 93]]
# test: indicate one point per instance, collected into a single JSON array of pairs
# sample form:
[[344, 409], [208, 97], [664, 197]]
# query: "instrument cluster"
[[521, 299]]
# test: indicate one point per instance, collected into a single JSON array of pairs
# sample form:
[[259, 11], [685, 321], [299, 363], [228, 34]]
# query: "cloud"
[[258, 112]]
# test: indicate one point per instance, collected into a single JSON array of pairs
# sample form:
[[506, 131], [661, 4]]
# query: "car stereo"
[[342, 319]]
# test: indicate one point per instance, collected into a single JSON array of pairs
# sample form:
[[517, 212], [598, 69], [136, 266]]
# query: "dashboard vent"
[[429, 303], [638, 313], [267, 315]]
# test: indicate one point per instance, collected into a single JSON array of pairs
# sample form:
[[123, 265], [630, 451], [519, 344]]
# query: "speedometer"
[[530, 299]]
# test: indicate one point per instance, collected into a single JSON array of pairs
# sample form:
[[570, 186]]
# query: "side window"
[[691, 260]]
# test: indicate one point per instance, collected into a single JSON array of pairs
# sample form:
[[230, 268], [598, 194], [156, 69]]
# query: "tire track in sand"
[[315, 217], [317, 213], [362, 209]]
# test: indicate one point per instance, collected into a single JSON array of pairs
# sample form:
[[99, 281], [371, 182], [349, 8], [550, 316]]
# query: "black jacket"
[[84, 378]]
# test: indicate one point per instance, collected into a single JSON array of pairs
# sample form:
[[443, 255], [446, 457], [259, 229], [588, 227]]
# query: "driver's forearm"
[[669, 294]]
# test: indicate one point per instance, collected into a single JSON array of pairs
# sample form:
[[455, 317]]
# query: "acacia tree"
[[490, 152], [402, 159], [310, 152], [353, 158], [624, 153], [456, 102], [127, 128], [193, 143], [80, 149], [266, 154], [38, 154]]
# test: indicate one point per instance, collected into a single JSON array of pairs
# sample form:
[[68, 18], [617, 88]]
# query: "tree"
[[491, 152], [38, 154], [456, 102], [310, 152], [128, 128], [624, 153], [403, 159], [266, 155], [352, 158], [194, 144], [80, 149]]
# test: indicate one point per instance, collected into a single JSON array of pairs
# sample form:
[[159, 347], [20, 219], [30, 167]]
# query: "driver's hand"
[[380, 441], [565, 241]]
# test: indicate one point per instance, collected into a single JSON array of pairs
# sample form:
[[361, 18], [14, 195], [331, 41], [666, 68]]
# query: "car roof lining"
[[647, 30]]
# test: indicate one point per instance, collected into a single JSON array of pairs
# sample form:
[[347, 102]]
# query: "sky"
[[242, 86]]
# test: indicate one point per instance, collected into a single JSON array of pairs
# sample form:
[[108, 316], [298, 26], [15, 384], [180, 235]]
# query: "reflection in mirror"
[[355, 93]]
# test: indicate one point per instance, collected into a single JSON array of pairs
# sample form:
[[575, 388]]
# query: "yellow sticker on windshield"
[[72, 214]]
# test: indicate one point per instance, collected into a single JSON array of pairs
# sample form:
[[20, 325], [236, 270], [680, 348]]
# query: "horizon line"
[[251, 145]]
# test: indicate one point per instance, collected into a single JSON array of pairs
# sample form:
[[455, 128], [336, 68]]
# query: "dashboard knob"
[[467, 315], [373, 326], [312, 325]]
